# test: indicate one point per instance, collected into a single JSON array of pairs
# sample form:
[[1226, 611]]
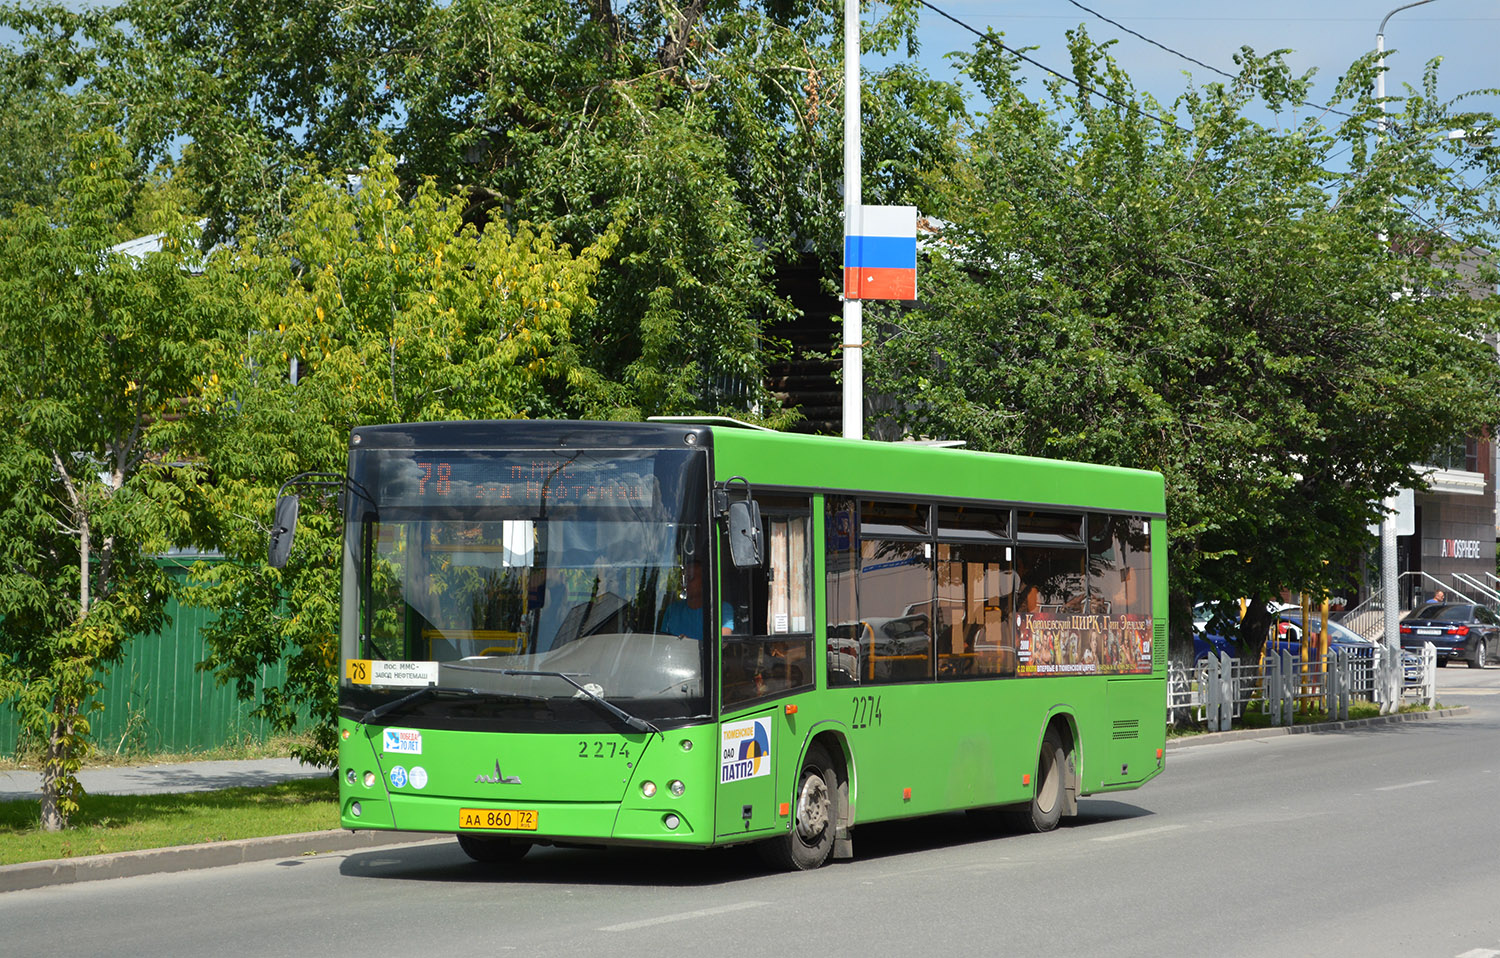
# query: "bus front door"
[[747, 775]]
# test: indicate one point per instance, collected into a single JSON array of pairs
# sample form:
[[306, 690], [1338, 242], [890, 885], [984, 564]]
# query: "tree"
[[99, 349], [370, 307], [1215, 302], [714, 124]]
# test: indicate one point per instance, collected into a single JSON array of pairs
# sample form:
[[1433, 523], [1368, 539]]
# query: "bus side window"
[[768, 652]]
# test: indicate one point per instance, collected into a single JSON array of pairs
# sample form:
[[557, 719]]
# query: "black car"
[[1457, 630]]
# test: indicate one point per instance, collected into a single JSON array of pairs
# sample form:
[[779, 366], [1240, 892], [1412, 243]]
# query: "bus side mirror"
[[283, 527], [746, 550]]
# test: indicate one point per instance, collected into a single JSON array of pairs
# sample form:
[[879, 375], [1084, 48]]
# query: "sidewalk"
[[184, 777], [162, 779]]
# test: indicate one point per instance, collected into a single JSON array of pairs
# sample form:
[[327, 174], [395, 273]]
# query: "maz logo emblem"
[[499, 778]]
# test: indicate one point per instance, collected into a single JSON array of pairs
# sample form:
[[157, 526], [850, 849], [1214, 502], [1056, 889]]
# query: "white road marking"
[[683, 916], [1392, 788], [1480, 953], [1140, 833]]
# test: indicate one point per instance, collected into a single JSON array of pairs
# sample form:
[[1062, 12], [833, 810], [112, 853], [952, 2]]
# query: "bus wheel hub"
[[812, 807]]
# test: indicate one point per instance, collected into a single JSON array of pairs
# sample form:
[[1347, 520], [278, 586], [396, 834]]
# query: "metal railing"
[[1220, 689], [1490, 596], [1368, 617]]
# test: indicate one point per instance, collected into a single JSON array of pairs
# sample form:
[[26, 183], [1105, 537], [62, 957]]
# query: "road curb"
[[154, 861], [1212, 738]]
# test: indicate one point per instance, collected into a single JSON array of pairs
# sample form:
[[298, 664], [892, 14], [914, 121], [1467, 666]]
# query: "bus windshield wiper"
[[424, 692], [639, 724]]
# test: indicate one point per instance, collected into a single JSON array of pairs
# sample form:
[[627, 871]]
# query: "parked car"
[[1214, 625], [1457, 630], [1289, 635], [1212, 635]]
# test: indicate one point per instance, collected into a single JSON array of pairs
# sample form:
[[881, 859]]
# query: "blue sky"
[[1324, 34]]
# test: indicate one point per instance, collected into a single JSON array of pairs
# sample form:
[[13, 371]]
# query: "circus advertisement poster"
[[1064, 644]]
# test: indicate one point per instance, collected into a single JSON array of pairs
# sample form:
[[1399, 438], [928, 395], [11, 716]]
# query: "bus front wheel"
[[491, 850], [807, 844]]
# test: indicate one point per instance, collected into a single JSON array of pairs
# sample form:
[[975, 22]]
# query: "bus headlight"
[[369, 780], [648, 789], [676, 788]]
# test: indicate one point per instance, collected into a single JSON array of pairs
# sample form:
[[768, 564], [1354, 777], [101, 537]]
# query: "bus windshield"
[[536, 582]]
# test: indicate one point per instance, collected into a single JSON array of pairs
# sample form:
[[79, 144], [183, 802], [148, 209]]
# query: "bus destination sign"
[[513, 481]]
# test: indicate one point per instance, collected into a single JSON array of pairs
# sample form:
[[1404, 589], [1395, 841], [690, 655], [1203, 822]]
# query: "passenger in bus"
[[684, 617]]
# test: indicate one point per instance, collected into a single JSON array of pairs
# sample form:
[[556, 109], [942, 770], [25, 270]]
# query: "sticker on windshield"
[[403, 741], [746, 750], [416, 674]]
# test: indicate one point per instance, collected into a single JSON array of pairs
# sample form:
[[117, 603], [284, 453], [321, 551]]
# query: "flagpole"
[[853, 341]]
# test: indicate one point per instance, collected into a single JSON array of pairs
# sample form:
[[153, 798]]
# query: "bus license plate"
[[510, 819]]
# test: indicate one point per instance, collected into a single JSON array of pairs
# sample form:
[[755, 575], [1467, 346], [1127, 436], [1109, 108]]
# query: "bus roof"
[[769, 458], [869, 466]]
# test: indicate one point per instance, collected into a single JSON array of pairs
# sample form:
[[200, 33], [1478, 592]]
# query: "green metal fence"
[[156, 700]]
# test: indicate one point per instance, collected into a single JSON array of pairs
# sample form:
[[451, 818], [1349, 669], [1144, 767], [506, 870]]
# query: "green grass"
[[121, 823]]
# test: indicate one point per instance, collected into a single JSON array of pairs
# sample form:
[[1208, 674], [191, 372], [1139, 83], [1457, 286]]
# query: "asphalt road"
[[1378, 841]]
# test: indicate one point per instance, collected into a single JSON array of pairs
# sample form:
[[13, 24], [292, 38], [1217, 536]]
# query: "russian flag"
[[881, 262]]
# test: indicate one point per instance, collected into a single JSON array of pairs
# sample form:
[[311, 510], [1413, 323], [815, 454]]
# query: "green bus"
[[698, 633]]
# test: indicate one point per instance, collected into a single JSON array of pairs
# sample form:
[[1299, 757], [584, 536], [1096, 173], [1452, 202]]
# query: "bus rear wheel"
[[1045, 809], [807, 845], [491, 850]]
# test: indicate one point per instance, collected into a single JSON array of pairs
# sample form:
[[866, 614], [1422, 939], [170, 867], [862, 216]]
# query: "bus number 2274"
[[866, 711]]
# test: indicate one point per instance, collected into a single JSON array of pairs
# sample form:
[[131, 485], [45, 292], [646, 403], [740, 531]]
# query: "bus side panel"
[[936, 747], [1130, 750]]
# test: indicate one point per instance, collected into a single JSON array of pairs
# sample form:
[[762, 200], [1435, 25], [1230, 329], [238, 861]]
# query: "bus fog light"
[[676, 788], [369, 780], [671, 821], [354, 809], [349, 776], [648, 789]]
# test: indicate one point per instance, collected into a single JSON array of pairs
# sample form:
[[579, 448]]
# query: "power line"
[[1042, 66], [1178, 53], [1142, 36]]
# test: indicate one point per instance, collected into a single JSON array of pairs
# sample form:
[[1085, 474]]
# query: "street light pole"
[[853, 335], [1388, 578], [1380, 52]]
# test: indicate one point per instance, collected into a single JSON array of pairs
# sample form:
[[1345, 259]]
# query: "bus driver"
[[684, 617]]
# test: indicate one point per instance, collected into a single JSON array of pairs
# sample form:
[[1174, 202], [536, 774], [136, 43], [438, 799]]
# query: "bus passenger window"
[[976, 637], [769, 650]]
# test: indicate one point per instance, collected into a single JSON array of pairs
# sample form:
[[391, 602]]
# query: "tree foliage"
[[368, 307], [714, 125], [1215, 300], [98, 352]]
